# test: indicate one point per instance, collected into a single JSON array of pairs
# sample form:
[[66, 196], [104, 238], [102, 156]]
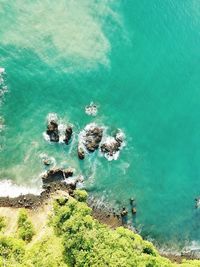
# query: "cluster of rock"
[[53, 132], [61, 176], [57, 175], [91, 138], [112, 145]]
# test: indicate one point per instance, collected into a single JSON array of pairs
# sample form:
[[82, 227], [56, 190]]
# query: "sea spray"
[[111, 146], [91, 109], [11, 189]]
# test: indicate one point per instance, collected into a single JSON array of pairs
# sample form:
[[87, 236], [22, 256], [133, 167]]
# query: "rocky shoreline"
[[55, 180]]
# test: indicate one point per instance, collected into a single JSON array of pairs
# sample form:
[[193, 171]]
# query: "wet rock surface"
[[81, 153], [55, 132], [56, 175], [68, 135], [31, 201], [52, 131], [112, 145], [93, 137]]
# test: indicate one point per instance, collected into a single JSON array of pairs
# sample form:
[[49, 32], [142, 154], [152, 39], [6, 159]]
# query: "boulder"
[[68, 135], [124, 212], [68, 172], [112, 145], [52, 131], [53, 176], [93, 138], [81, 153]]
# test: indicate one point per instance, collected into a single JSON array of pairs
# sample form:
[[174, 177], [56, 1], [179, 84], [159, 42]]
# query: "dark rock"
[[52, 131], [93, 138], [56, 175], [81, 153], [68, 135], [53, 175], [124, 212], [110, 148], [113, 145], [68, 172]]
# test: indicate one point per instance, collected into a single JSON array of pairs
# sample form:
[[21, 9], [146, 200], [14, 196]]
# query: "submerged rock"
[[47, 162], [134, 210], [52, 131], [132, 200]]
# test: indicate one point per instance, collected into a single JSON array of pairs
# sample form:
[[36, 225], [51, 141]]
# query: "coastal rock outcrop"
[[68, 135], [57, 130], [112, 145], [81, 153], [56, 175], [91, 137], [52, 131]]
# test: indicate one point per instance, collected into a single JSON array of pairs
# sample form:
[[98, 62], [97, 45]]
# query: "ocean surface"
[[139, 62]]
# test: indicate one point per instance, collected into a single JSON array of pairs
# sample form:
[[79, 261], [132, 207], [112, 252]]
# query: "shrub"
[[80, 195], [25, 227], [2, 223], [11, 250]]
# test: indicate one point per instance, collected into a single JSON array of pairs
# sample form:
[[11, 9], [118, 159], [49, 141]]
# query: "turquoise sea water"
[[140, 62]]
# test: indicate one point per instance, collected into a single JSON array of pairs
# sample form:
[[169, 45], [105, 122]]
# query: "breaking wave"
[[10, 189], [62, 125]]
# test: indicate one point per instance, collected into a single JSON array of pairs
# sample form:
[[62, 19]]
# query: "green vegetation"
[[25, 227], [2, 223], [74, 238]]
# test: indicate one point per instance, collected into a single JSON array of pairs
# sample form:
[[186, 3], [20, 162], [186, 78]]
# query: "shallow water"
[[139, 62]]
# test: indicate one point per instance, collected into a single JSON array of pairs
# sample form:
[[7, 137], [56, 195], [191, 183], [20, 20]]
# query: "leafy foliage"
[[89, 243], [80, 195], [47, 252], [11, 251], [25, 227], [78, 240], [2, 223]]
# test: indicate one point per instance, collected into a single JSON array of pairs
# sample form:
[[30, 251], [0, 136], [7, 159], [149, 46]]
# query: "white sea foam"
[[2, 125], [3, 87], [52, 117], [82, 135], [77, 180], [67, 31], [2, 70], [61, 130], [110, 140], [62, 125], [91, 109], [10, 189], [46, 136]]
